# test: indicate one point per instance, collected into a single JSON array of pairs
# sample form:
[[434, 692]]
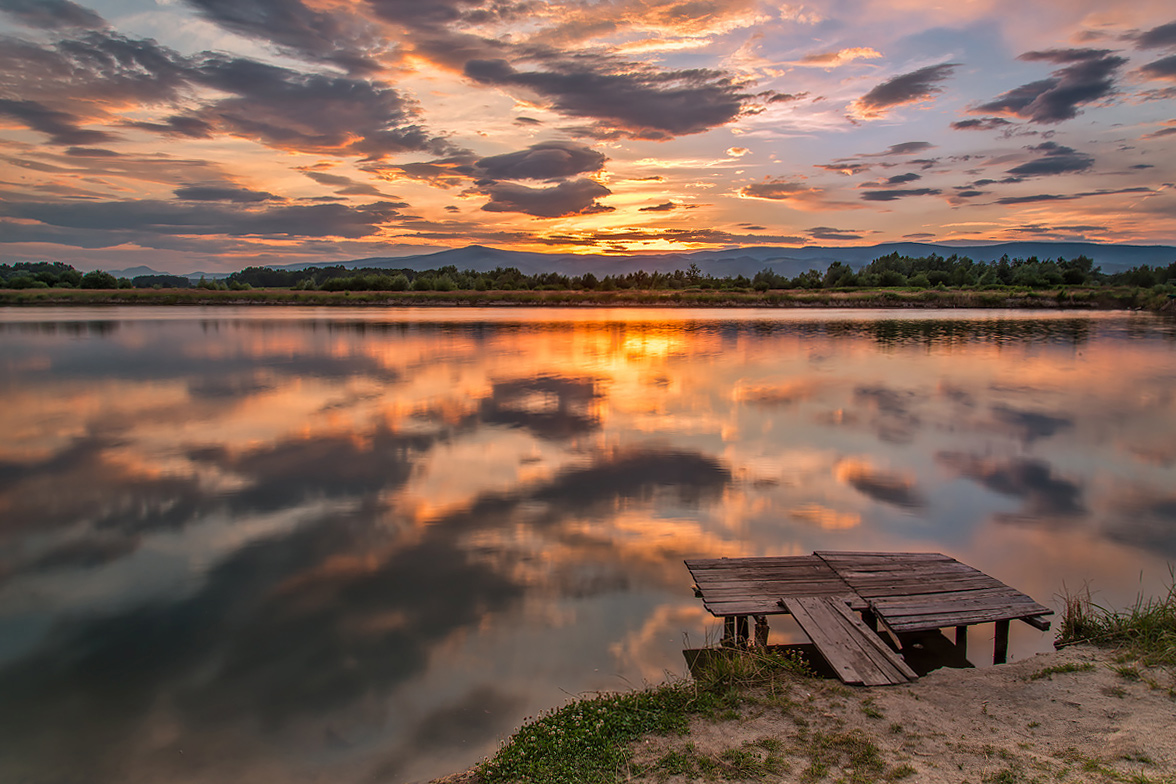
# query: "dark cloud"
[[1056, 159], [899, 179], [1164, 68], [279, 107], [902, 148], [1069, 196], [1157, 37], [222, 193], [274, 106], [1030, 426], [296, 28], [898, 193], [1044, 494], [829, 233], [551, 407], [844, 168], [883, 486], [969, 194], [894, 418], [177, 125], [91, 152], [904, 89], [60, 127], [572, 197], [1154, 135], [161, 217], [637, 102], [555, 160], [51, 14], [1089, 76], [665, 206], [775, 97], [981, 124]]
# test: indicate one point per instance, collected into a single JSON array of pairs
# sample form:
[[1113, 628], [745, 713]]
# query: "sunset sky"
[[213, 134]]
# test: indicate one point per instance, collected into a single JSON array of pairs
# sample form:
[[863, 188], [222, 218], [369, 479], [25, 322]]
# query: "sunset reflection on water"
[[364, 545]]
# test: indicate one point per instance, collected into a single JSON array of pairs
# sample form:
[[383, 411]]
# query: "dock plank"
[[844, 645]]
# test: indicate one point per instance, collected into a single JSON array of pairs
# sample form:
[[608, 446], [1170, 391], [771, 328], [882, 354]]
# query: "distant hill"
[[734, 261]]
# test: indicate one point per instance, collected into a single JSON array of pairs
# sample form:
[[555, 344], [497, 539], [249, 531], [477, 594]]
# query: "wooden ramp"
[[853, 650]]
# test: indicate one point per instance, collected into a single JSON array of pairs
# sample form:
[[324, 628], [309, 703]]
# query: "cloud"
[[553, 160], [637, 102], [1089, 76], [60, 127], [1167, 131], [1069, 196], [1157, 37], [160, 217], [1033, 481], [841, 57], [222, 193], [665, 206], [898, 193], [901, 90], [349, 117], [572, 197], [1056, 160], [829, 233], [792, 190], [884, 486], [51, 14], [899, 179], [297, 29], [847, 169], [981, 124], [737, 152], [1164, 68], [775, 97]]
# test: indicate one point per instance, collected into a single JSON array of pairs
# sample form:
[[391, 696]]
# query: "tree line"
[[890, 271]]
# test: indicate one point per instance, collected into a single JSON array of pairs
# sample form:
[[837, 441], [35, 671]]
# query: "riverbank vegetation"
[[889, 281], [757, 715]]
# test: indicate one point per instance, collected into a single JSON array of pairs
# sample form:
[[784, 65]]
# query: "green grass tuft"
[[1145, 632]]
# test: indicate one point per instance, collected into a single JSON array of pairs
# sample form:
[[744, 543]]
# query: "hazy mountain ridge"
[[734, 261]]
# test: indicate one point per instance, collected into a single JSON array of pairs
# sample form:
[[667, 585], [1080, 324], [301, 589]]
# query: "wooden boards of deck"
[[923, 591], [855, 652], [754, 586]]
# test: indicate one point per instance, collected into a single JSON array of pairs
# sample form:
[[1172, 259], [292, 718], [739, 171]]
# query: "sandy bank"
[[1094, 720]]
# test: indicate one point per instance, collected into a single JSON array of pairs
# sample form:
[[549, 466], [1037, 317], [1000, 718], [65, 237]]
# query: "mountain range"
[[734, 261]]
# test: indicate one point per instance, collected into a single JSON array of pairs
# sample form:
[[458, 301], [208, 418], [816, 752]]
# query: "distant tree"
[[98, 279]]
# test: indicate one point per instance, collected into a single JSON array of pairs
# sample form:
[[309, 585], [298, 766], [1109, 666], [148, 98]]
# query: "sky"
[[217, 134]]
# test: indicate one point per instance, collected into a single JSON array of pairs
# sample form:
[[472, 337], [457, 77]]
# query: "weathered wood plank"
[[847, 658], [859, 554], [927, 622], [893, 660]]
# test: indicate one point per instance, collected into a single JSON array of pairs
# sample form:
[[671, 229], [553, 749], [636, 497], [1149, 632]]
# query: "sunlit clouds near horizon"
[[215, 134]]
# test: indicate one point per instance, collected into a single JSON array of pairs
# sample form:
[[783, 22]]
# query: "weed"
[[1145, 631], [1060, 669]]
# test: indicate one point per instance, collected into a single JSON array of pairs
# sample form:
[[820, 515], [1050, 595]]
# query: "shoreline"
[[1127, 299], [1079, 714]]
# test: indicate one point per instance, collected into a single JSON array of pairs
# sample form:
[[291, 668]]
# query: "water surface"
[[297, 545]]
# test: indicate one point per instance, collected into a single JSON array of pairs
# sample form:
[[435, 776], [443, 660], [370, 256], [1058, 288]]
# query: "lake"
[[282, 544]]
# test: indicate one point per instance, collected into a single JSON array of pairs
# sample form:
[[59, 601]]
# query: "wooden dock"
[[903, 592]]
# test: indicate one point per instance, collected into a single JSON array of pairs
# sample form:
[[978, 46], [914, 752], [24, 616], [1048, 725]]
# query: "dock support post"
[[761, 631], [962, 640], [1000, 648], [728, 640], [742, 633]]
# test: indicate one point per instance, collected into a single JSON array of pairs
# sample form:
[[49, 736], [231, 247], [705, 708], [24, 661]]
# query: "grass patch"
[[590, 740], [1145, 632], [1060, 669]]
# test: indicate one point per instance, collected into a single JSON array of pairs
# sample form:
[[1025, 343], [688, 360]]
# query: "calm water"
[[295, 545]]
